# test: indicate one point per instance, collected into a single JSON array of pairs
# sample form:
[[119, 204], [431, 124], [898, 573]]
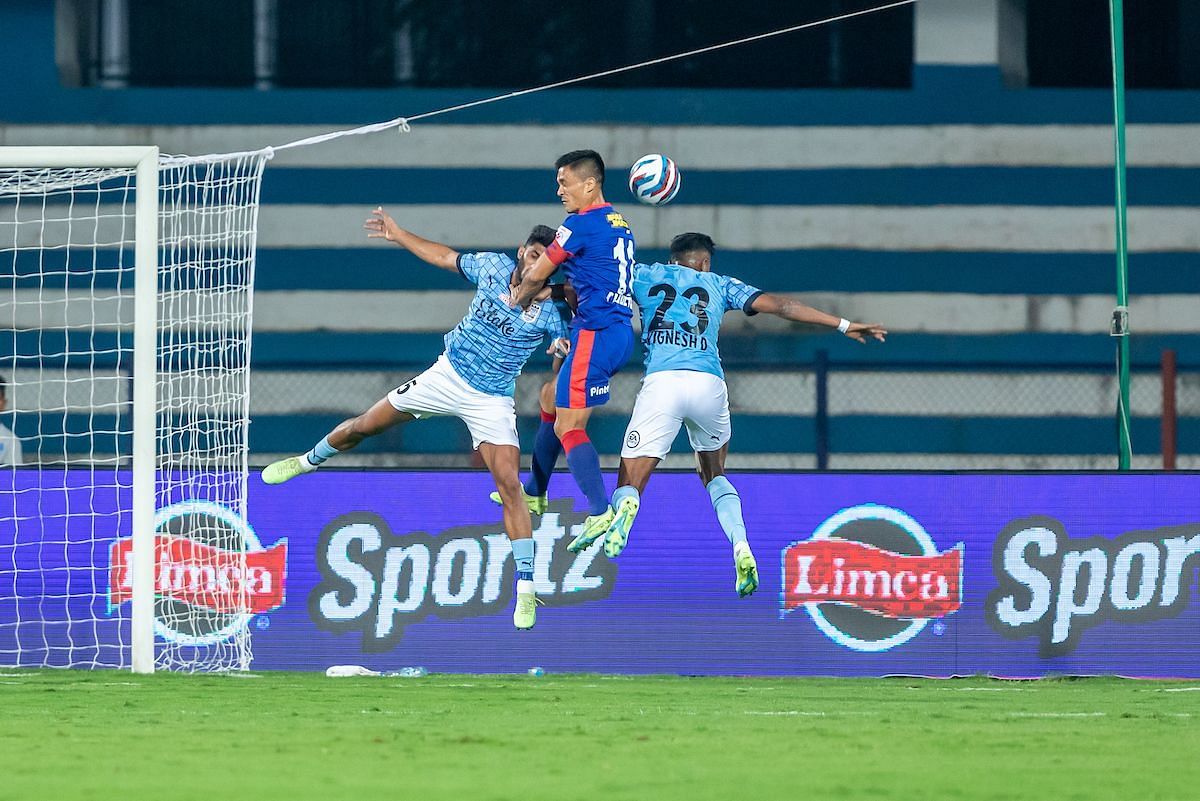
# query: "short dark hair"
[[541, 234], [692, 242], [585, 161]]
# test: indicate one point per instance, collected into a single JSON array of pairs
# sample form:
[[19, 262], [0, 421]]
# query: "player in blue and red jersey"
[[595, 247]]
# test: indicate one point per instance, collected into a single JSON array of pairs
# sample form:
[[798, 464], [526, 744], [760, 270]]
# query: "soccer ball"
[[654, 180]]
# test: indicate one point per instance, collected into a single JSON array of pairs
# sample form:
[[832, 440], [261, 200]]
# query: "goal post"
[[145, 406], [128, 314]]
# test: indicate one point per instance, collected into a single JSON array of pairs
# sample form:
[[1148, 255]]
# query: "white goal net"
[[83, 332]]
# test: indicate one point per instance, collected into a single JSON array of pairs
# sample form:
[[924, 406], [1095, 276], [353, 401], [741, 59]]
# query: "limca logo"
[[871, 578], [616, 220], [212, 573]]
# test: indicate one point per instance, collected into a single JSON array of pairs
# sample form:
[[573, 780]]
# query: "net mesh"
[[66, 351]]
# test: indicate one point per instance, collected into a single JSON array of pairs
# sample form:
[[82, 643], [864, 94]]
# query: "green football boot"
[[286, 470], [525, 615], [537, 503], [594, 527], [747, 570], [617, 536]]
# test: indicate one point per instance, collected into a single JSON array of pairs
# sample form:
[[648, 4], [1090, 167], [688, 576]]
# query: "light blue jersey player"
[[490, 345], [682, 304], [472, 380], [682, 310], [595, 247]]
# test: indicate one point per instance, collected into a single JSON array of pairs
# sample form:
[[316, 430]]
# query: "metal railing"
[[899, 415]]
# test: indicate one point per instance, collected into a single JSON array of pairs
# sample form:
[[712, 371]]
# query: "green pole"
[[1120, 319]]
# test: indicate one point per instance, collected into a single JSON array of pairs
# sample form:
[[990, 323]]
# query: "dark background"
[[481, 43]]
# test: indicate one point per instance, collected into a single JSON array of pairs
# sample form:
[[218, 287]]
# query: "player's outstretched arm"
[[380, 225], [791, 309], [533, 281]]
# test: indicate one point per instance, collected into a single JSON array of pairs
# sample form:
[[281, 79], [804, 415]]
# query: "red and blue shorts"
[[595, 357]]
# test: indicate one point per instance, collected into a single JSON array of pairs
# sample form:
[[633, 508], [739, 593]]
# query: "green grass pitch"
[[108, 735]]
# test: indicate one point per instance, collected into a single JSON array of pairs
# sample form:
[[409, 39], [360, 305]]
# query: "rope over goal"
[[83, 328]]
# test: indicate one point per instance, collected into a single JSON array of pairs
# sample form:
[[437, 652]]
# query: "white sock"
[[524, 587]]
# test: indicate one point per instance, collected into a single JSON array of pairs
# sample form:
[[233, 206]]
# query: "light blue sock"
[[728, 506], [522, 550], [625, 492], [320, 452]]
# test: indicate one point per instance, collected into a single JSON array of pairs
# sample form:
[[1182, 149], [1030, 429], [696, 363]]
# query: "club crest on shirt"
[[615, 220], [530, 315], [562, 235]]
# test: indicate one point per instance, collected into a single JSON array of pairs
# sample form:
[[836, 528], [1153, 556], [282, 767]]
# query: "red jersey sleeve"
[[558, 251]]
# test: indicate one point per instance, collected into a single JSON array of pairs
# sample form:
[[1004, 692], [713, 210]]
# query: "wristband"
[[843, 325]]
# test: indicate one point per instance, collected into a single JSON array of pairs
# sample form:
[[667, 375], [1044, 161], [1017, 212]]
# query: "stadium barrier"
[[862, 575], [823, 413], [820, 413]]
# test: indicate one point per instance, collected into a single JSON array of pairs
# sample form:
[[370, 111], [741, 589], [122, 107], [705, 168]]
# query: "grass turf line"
[[108, 735]]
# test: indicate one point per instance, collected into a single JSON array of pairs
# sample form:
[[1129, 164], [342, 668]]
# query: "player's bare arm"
[[380, 225], [543, 294], [533, 281], [792, 309]]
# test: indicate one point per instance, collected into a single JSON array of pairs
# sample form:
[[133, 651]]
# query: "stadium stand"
[[973, 220]]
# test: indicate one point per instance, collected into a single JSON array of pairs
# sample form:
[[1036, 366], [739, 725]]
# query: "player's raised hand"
[[380, 225], [559, 347], [861, 332]]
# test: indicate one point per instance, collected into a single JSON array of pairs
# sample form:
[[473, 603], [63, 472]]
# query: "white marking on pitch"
[[62, 687], [1057, 714], [808, 713], [1180, 690], [79, 685]]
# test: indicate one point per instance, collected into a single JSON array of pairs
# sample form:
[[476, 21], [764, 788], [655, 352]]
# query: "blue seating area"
[[972, 219]]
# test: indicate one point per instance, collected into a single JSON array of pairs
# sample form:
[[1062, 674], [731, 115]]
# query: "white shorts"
[[672, 398], [440, 390]]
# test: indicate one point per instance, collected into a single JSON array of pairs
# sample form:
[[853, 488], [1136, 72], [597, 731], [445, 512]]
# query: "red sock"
[[573, 439]]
